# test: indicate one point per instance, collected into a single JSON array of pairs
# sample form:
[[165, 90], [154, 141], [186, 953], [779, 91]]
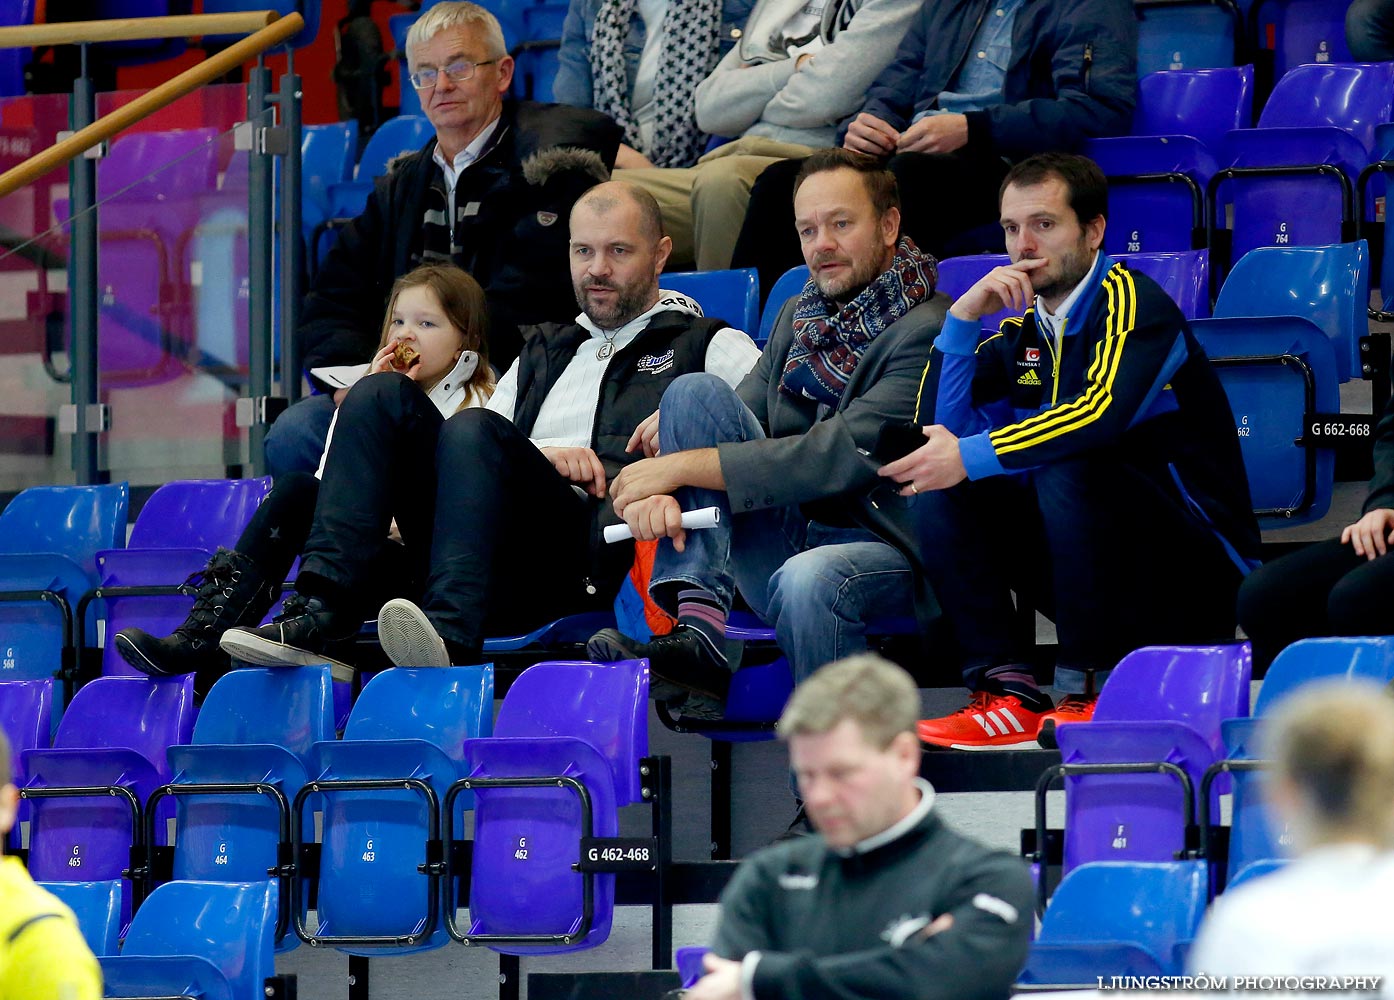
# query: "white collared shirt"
[[454, 168], [1053, 323], [567, 416]]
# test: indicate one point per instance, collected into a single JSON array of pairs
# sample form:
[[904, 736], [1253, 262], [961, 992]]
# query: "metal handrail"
[[166, 93], [127, 29]]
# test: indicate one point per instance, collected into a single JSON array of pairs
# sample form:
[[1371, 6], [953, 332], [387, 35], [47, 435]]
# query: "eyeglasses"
[[456, 72]]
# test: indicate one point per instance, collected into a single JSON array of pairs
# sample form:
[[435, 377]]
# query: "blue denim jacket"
[[573, 82]]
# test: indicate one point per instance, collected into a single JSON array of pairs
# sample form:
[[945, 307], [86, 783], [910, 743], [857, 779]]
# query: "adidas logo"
[[996, 716], [1030, 378]]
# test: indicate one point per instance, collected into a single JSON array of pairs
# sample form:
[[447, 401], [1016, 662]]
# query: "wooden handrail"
[[131, 28], [166, 93]]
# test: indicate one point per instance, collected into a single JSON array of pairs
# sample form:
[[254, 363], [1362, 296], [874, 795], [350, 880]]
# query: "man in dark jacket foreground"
[[885, 901], [490, 193]]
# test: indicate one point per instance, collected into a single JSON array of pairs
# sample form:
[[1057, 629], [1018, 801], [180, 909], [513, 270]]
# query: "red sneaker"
[[1072, 708], [988, 722]]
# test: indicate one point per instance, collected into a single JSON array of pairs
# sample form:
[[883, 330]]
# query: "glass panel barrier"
[[172, 271]]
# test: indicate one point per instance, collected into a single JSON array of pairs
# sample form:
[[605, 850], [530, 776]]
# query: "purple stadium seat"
[[585, 723], [1302, 31], [255, 726], [689, 963], [1158, 174], [16, 12], [114, 734], [1184, 275], [958, 274], [174, 535], [409, 727], [1320, 118], [25, 719], [1199, 686]]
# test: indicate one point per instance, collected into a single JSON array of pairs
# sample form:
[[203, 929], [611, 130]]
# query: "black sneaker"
[[297, 637], [683, 658]]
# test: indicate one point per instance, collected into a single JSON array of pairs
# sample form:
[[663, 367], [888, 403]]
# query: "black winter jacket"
[[515, 244]]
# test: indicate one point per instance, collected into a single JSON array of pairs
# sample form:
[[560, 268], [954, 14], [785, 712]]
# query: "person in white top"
[[507, 501], [1326, 914], [434, 346]]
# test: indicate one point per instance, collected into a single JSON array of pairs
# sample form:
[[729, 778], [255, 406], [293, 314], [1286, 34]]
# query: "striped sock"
[[1013, 678], [700, 610]]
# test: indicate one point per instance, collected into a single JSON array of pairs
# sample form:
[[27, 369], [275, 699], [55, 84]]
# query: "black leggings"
[[1323, 589]]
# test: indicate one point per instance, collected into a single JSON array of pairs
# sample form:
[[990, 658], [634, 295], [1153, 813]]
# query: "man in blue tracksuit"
[[1084, 456]]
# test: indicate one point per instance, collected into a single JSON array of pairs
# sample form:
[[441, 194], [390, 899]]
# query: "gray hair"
[[873, 692], [457, 15]]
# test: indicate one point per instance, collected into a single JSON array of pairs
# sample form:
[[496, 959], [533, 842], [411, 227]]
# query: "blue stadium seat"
[[1188, 34], [49, 539], [405, 740], [139, 51], [204, 939], [394, 137], [1301, 31], [12, 61], [1329, 285], [1117, 919], [113, 736], [97, 906], [571, 630], [564, 756], [536, 58], [1291, 180], [689, 964], [1275, 370], [175, 534], [730, 295], [1256, 869], [1158, 175], [26, 718], [1252, 837], [255, 729], [790, 284], [326, 158]]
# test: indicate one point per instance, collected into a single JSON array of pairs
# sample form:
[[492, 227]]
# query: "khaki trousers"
[[703, 206]]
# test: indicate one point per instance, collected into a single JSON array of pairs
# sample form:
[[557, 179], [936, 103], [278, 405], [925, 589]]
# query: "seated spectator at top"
[[975, 86], [1342, 586], [1328, 912], [501, 507], [798, 70], [808, 534], [639, 61], [1084, 457], [489, 193]]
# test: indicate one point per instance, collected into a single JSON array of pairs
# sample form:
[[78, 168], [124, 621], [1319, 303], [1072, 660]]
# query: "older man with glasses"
[[490, 193]]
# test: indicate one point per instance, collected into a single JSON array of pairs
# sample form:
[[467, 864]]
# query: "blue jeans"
[[295, 442], [817, 584]]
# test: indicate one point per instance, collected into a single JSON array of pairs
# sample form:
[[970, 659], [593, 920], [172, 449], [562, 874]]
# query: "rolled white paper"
[[707, 517]]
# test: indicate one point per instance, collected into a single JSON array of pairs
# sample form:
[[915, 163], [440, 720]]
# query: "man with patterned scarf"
[[815, 541], [639, 61]]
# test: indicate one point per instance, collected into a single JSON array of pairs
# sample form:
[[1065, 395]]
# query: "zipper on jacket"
[[1088, 63]]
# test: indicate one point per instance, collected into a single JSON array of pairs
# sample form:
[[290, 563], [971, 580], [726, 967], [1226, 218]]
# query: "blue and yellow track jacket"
[[1124, 373]]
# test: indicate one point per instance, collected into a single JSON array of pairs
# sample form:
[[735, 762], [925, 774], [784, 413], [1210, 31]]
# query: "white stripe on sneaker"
[[1012, 719], [987, 723]]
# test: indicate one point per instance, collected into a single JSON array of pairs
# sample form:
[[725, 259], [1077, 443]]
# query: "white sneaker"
[[408, 637]]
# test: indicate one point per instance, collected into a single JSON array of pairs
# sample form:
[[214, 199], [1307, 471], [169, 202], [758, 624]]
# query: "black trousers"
[[1323, 589], [944, 198], [1105, 549], [498, 539]]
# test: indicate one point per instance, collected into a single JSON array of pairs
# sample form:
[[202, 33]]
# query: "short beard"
[[629, 303], [856, 281]]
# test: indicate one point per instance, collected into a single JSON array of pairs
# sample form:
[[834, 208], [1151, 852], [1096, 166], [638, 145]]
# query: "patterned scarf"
[[829, 339], [690, 31]]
